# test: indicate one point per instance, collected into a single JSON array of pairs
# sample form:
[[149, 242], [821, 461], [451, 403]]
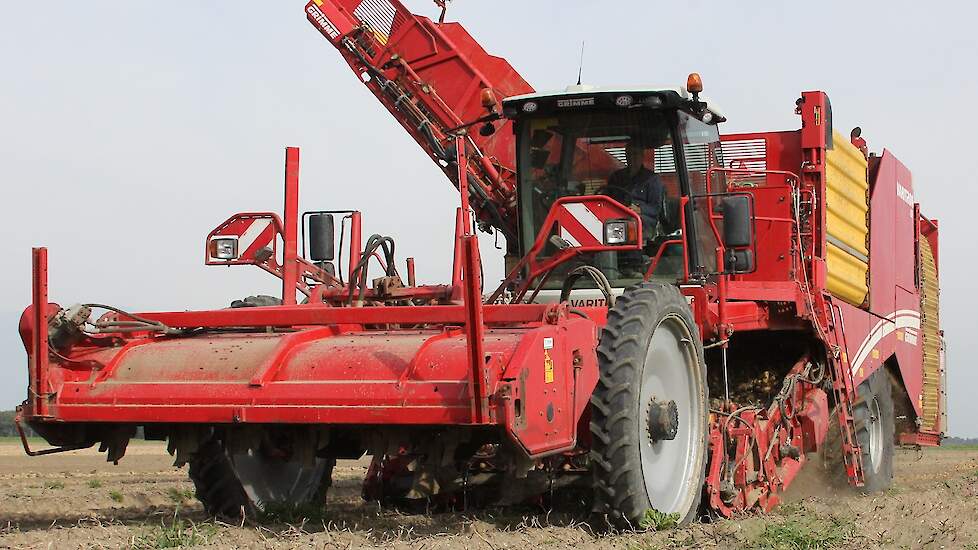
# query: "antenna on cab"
[[580, 67], [444, 9]]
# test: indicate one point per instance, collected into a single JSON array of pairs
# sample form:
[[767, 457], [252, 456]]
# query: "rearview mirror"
[[321, 238], [738, 234], [737, 222]]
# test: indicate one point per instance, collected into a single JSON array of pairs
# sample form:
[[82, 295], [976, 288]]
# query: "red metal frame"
[[290, 275], [39, 360], [603, 209]]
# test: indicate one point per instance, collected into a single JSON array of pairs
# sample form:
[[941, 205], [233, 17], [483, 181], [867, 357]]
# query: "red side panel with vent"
[[430, 77], [772, 198]]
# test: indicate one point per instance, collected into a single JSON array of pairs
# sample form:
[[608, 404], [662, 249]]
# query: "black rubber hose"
[[358, 277], [596, 275]]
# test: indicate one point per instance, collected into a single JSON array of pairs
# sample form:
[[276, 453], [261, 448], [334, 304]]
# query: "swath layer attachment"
[[528, 369], [431, 77]]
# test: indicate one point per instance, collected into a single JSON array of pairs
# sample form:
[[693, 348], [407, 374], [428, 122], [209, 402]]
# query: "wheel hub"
[[875, 426], [663, 420]]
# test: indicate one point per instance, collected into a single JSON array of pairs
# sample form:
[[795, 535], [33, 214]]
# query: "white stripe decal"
[[251, 234], [586, 218], [904, 318], [889, 320], [566, 235]]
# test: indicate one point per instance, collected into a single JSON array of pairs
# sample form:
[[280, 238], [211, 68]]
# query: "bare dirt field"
[[77, 500]]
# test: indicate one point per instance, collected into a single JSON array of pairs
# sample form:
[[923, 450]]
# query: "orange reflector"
[[632, 232], [488, 98]]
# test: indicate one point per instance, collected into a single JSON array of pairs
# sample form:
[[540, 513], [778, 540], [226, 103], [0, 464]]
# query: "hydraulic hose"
[[599, 278], [358, 277]]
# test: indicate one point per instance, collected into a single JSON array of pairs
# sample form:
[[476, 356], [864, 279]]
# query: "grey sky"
[[129, 129]]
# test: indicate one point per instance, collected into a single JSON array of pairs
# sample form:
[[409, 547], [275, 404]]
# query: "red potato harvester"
[[683, 317]]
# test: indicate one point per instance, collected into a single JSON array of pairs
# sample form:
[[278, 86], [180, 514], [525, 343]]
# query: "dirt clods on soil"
[[76, 500]]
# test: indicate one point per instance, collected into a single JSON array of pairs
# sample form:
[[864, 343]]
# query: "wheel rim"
[[671, 468], [268, 481], [875, 426]]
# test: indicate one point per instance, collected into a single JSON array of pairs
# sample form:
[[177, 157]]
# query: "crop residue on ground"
[[78, 500]]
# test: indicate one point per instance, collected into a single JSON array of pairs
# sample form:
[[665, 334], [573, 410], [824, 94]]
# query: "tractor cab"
[[652, 150]]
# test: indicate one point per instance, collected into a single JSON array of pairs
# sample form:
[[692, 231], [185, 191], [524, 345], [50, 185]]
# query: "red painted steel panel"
[[773, 201], [325, 375], [314, 314]]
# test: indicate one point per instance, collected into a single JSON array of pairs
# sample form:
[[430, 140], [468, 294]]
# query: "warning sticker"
[[548, 368]]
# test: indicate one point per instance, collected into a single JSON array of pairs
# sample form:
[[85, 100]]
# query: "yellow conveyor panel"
[[930, 339], [847, 221]]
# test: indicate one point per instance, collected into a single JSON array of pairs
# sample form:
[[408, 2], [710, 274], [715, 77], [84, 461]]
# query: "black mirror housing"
[[738, 226], [737, 211], [321, 238]]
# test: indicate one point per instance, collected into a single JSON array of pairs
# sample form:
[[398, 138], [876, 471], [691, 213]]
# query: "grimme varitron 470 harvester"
[[683, 317]]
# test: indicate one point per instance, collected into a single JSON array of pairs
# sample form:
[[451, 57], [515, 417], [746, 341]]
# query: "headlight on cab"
[[620, 232], [224, 248]]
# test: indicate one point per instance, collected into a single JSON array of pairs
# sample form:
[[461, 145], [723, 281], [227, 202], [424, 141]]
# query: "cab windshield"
[[627, 155]]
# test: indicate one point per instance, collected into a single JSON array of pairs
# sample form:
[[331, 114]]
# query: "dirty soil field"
[[76, 500]]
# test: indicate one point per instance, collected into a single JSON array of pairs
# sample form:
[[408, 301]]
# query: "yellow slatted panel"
[[930, 338], [847, 221], [846, 276]]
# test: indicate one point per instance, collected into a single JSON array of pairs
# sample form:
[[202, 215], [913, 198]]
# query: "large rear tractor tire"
[[252, 484], [649, 411], [874, 423]]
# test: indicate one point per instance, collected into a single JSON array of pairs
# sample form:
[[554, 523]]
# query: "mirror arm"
[[721, 293]]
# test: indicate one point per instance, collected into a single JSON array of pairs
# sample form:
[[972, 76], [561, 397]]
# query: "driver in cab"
[[639, 188]]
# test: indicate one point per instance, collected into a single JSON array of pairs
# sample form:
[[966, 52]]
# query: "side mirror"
[[738, 234], [321, 238], [737, 222]]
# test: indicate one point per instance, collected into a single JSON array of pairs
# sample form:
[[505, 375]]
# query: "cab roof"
[[669, 94]]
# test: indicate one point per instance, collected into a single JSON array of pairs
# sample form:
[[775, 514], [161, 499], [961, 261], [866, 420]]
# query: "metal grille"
[[748, 154], [380, 16]]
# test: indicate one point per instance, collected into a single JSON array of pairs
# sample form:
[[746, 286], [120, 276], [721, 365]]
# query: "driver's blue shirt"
[[644, 189]]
